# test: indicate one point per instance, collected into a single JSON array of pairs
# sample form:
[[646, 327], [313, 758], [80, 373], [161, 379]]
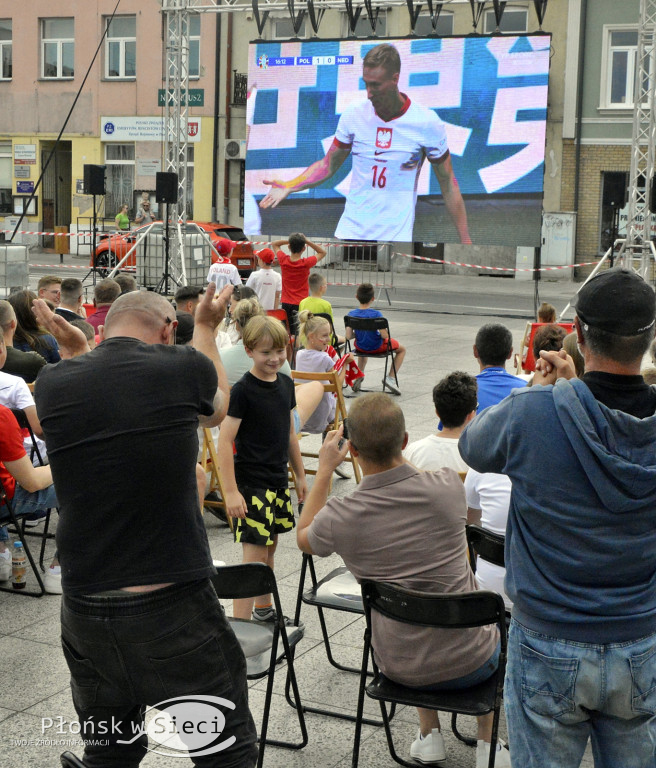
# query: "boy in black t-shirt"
[[261, 422]]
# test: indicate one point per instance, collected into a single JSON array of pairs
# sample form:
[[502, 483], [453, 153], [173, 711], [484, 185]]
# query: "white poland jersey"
[[222, 273], [387, 159]]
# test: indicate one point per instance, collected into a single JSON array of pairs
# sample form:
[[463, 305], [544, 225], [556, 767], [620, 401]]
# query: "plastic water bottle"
[[18, 566]]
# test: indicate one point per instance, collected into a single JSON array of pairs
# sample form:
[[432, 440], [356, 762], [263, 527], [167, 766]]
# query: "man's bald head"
[[146, 316]]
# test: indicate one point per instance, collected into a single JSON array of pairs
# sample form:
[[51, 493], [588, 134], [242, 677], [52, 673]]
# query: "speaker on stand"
[[166, 191], [94, 184]]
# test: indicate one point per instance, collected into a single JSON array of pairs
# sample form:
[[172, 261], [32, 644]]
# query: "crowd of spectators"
[[579, 553]]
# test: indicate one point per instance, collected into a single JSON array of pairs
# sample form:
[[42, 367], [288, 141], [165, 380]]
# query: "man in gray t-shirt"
[[410, 531]]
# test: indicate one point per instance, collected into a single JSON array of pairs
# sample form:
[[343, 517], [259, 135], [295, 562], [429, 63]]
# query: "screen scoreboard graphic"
[[489, 92]]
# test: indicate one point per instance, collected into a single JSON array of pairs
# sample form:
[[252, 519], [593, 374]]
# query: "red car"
[[112, 248]]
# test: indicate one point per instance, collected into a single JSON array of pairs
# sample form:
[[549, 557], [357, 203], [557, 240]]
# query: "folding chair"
[[331, 384], [333, 335], [486, 544], [23, 423], [259, 641], [13, 520], [209, 461], [69, 760], [372, 324], [446, 611], [281, 315], [338, 591]]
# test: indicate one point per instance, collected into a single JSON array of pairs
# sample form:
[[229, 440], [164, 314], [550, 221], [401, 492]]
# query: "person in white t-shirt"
[[488, 499], [455, 401], [224, 272], [14, 393], [389, 137], [266, 282]]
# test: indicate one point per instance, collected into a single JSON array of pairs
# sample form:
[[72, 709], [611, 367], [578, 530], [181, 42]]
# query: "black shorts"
[[270, 512]]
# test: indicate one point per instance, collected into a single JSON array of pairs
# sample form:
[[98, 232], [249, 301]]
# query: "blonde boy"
[[261, 422]]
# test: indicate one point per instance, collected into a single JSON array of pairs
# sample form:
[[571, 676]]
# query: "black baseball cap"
[[617, 301]]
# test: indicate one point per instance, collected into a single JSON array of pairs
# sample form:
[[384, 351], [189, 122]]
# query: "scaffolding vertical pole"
[[637, 247], [176, 119]]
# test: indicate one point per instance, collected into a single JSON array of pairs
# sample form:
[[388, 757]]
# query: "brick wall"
[[595, 159]]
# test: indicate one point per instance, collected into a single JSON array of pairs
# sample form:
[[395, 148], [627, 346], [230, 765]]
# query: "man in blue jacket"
[[581, 540]]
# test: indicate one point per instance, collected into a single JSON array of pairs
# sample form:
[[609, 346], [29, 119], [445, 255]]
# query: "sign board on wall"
[[141, 129], [196, 97], [24, 187], [22, 171], [24, 154], [147, 167]]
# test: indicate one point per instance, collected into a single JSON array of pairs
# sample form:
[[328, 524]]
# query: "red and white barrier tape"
[[495, 269], [78, 266], [62, 234]]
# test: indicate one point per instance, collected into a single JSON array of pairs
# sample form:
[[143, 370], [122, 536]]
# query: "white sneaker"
[[391, 385], [5, 565], [429, 749], [502, 758], [52, 580]]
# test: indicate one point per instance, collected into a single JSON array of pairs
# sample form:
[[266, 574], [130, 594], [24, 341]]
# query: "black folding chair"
[[259, 641], [445, 611], [333, 335], [372, 324], [485, 544], [44, 535], [13, 520], [69, 760], [338, 591]]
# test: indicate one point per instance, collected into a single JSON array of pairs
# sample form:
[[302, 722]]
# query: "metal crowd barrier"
[[352, 263]]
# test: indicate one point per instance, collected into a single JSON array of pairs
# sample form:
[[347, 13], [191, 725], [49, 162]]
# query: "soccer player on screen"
[[389, 137]]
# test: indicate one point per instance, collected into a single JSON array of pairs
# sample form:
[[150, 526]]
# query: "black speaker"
[[166, 187], [94, 179]]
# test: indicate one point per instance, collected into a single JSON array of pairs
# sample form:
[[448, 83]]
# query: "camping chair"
[[23, 423], [259, 641], [331, 384], [524, 359], [446, 611], [13, 520], [209, 461], [372, 324]]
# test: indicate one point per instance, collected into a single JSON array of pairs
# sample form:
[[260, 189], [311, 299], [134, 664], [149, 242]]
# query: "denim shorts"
[[25, 502], [558, 693]]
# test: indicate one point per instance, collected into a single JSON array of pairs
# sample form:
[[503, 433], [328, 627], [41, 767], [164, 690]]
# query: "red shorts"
[[381, 350]]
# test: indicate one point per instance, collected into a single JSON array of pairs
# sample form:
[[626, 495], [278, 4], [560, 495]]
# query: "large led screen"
[[448, 149]]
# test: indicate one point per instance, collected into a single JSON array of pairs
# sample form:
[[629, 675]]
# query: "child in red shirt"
[[295, 272]]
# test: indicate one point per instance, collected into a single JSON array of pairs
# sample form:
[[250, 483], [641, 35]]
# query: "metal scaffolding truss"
[[638, 248], [176, 21]]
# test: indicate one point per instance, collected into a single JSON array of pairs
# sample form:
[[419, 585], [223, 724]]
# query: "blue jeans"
[[25, 502], [127, 652], [560, 692], [480, 675]]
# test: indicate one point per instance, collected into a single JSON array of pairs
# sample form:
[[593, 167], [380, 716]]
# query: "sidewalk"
[[36, 677]]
